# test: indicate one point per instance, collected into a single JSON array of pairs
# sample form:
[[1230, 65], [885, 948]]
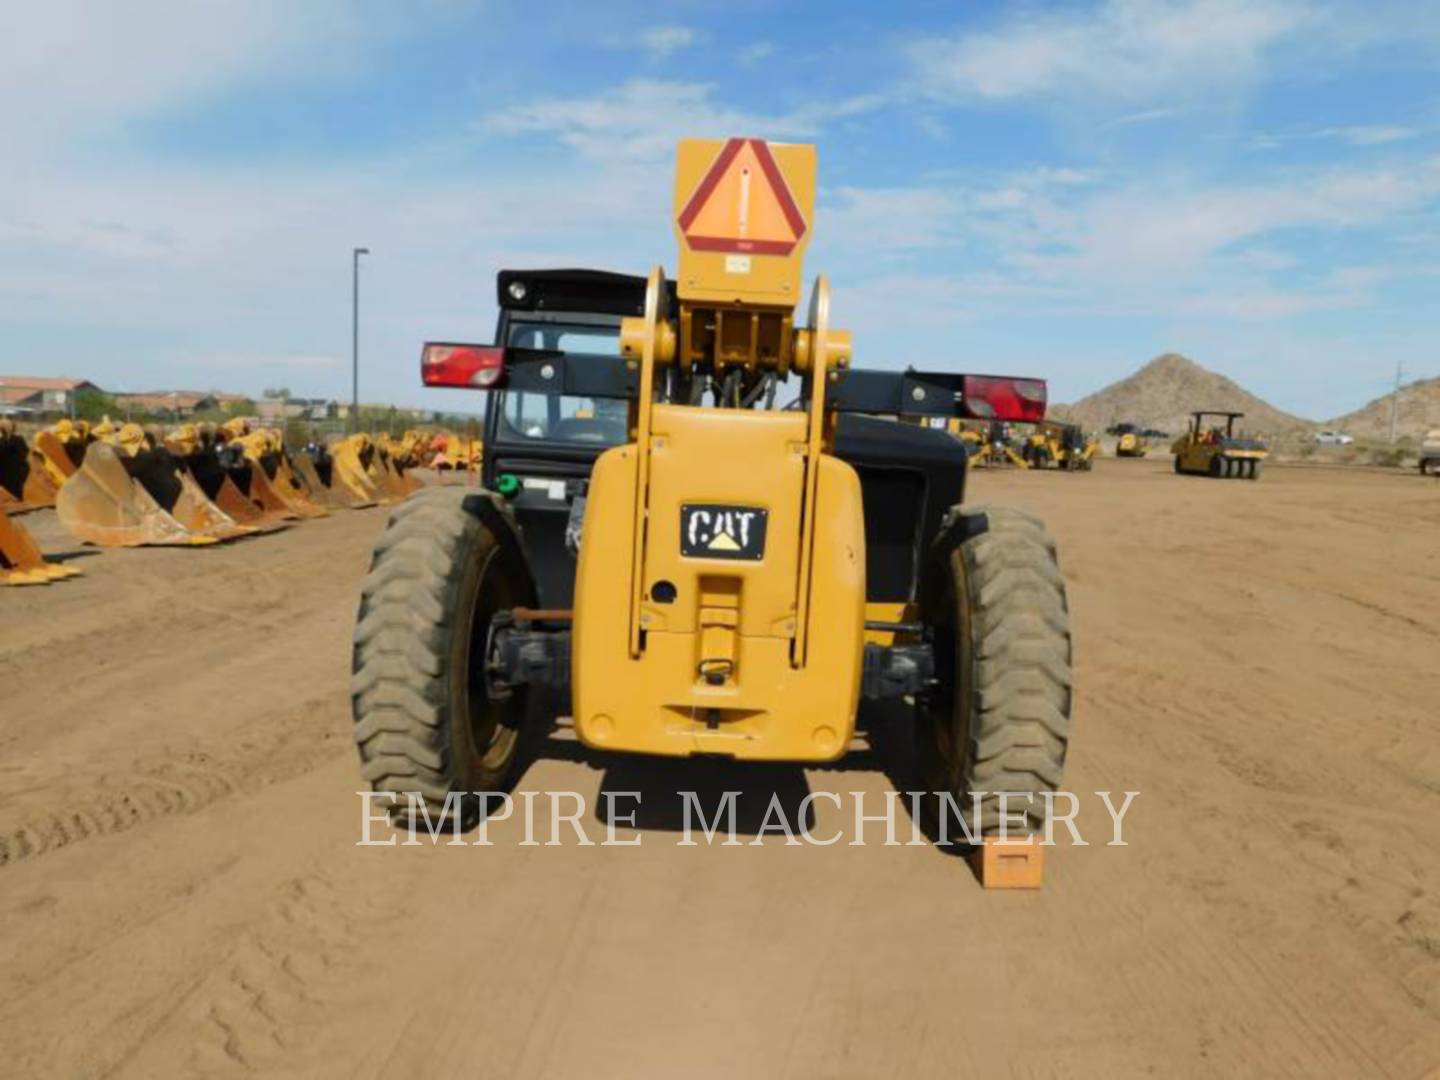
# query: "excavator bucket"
[[173, 488], [254, 462], [23, 474], [256, 485], [266, 477], [287, 485], [63, 449], [20, 560], [224, 477], [353, 467], [316, 474], [401, 455], [118, 501], [448, 451], [388, 475], [439, 451], [263, 492], [218, 485], [193, 447]]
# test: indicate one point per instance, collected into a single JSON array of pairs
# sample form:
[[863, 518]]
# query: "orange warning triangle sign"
[[743, 205]]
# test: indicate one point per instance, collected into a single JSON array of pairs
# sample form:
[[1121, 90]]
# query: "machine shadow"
[[667, 786], [889, 729], [71, 555], [661, 782]]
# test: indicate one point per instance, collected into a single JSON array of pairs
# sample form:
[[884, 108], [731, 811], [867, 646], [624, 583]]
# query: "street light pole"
[[355, 336]]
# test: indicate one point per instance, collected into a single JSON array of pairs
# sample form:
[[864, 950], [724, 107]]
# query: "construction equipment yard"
[[181, 890]]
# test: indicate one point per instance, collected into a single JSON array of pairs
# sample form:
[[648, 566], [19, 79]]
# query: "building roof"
[[13, 395], [39, 382], [164, 399]]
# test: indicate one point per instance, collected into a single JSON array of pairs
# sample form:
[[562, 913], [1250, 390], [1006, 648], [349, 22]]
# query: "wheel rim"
[[947, 709], [492, 740]]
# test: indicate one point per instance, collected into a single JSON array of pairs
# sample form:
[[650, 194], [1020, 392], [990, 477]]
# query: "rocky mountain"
[[1419, 413], [1164, 392]]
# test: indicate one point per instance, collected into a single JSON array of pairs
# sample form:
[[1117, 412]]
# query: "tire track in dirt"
[[1274, 915], [100, 806], [261, 996]]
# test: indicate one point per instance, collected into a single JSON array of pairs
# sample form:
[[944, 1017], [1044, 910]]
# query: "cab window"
[[581, 421]]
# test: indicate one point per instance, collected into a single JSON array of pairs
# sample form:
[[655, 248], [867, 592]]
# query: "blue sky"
[[1063, 190]]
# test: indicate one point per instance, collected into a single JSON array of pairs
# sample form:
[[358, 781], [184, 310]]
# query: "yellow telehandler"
[[688, 568], [1065, 446]]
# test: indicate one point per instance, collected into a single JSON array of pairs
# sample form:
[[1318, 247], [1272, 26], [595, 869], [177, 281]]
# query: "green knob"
[[508, 485]]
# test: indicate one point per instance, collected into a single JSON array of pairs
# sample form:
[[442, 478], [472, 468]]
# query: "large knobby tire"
[[423, 720], [999, 719]]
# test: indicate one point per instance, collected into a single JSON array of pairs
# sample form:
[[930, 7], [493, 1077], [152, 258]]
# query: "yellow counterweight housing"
[[717, 673], [747, 641]]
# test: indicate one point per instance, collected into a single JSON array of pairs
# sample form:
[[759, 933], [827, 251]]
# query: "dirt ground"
[[181, 892]]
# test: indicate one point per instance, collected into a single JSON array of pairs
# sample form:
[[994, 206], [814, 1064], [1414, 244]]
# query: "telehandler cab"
[[685, 568]]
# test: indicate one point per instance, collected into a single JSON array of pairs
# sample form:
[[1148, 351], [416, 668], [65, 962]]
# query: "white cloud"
[[757, 51], [1264, 259], [1261, 304], [1042, 249], [1355, 135], [1056, 175], [658, 41], [883, 220], [1123, 50], [642, 119], [1371, 134], [663, 40], [1144, 116], [1140, 233], [76, 66], [947, 212], [256, 263], [241, 268]]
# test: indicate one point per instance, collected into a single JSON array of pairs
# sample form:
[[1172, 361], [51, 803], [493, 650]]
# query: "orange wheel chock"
[[1016, 863]]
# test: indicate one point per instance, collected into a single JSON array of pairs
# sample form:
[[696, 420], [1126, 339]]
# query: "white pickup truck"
[[1430, 454]]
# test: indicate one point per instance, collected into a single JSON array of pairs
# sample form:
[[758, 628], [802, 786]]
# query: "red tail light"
[[468, 367], [998, 397]]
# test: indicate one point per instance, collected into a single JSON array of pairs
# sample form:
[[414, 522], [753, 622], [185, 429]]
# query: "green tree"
[[95, 405]]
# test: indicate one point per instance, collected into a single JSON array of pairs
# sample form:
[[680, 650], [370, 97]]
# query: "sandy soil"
[[181, 892]]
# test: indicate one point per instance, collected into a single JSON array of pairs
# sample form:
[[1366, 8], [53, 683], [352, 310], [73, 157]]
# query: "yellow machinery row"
[[1048, 443], [119, 485]]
